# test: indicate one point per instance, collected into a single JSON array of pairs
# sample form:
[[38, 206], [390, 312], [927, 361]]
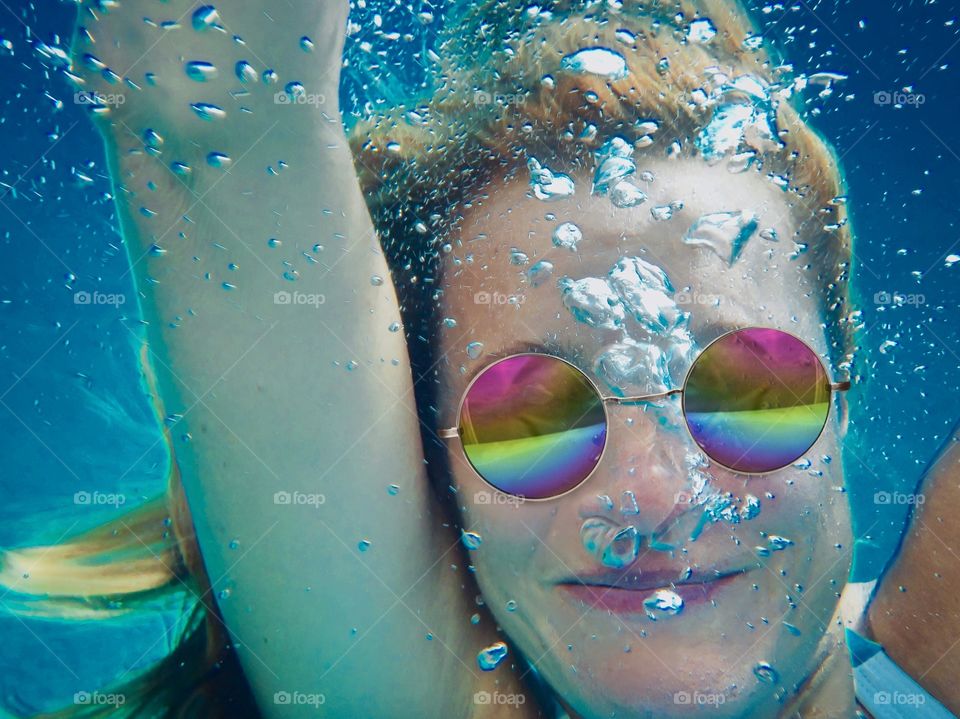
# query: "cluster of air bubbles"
[[614, 162], [637, 300], [548, 185], [743, 122]]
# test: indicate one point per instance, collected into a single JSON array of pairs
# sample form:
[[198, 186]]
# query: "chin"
[[624, 664]]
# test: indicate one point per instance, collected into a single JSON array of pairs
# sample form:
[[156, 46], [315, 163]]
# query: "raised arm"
[[288, 396]]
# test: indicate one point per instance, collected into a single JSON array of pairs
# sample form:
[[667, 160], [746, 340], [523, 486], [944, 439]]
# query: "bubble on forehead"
[[548, 185], [614, 161], [539, 273], [636, 298], [625, 194], [567, 235], [725, 233], [633, 366], [592, 301], [647, 294], [662, 213]]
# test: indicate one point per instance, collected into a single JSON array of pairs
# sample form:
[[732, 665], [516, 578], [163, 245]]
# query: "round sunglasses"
[[534, 426]]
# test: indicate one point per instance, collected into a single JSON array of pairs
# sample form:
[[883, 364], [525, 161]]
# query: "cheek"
[[507, 531]]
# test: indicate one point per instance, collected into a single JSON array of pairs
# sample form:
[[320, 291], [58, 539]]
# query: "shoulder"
[[915, 613]]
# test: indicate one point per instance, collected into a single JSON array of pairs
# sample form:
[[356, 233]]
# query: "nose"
[[648, 471]]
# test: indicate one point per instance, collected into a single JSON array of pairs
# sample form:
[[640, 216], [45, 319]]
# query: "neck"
[[827, 692]]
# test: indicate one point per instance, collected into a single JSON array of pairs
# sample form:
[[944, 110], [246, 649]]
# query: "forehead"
[[724, 273]]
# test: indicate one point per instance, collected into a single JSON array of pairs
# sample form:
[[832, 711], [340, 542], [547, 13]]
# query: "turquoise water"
[[76, 417]]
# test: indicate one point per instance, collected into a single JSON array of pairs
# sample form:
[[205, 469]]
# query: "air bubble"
[[245, 72], [765, 673], [663, 602], [200, 71], [490, 657], [206, 111], [471, 540], [567, 236], [205, 17], [600, 61]]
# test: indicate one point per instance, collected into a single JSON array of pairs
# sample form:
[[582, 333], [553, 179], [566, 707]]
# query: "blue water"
[[76, 418]]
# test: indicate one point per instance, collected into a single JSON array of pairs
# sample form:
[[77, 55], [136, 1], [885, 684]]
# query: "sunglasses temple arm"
[[642, 398], [840, 386], [450, 433]]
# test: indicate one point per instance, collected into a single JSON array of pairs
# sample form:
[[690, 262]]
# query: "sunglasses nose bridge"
[[645, 465]]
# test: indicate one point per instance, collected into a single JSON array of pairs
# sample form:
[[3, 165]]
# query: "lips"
[[624, 593]]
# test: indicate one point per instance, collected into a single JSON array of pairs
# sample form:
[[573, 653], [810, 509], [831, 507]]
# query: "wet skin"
[[596, 646]]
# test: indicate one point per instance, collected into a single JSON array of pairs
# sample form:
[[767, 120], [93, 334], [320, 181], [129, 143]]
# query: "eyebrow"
[[718, 328], [529, 347]]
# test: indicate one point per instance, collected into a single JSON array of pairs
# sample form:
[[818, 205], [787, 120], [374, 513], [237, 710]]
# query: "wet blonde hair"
[[144, 560], [423, 165]]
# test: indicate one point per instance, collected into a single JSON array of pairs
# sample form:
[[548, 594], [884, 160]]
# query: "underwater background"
[[75, 416]]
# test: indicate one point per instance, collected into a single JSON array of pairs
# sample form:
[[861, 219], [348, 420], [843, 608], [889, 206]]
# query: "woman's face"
[[757, 589]]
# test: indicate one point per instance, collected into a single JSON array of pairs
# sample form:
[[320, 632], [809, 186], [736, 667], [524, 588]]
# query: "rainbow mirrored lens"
[[756, 400], [533, 426]]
